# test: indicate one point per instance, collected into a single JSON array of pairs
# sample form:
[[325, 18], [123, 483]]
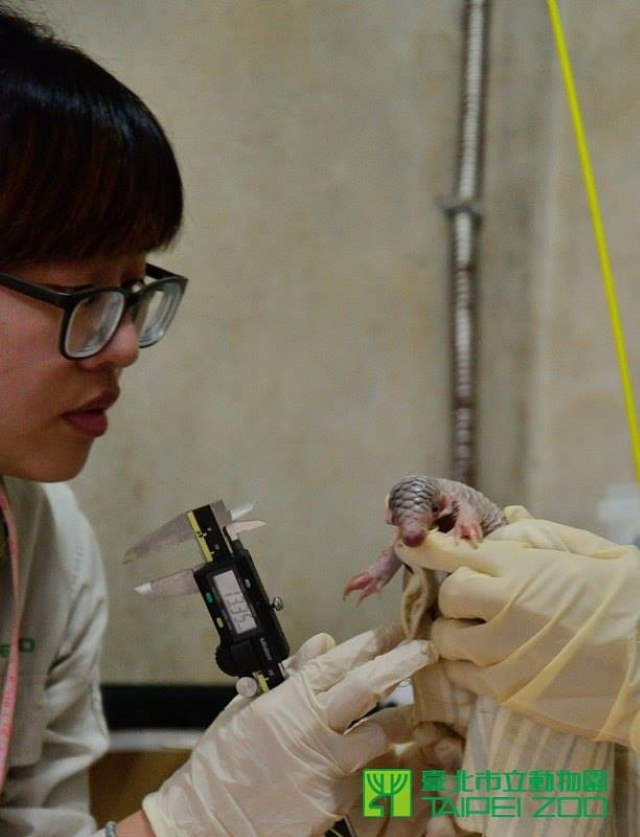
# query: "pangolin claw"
[[365, 581], [470, 531]]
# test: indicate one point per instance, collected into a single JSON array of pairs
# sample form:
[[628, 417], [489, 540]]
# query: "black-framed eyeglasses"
[[92, 317]]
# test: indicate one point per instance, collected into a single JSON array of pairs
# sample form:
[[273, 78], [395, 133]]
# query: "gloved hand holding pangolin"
[[541, 623], [417, 504]]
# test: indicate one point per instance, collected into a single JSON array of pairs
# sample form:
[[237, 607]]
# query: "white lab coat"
[[59, 727]]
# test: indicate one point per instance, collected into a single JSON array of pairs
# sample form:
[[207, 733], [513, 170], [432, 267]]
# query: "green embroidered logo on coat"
[[26, 645]]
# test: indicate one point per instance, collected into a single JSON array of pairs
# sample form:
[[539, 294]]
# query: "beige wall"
[[579, 439], [308, 369]]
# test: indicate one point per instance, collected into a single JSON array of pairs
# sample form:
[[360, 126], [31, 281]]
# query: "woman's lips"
[[90, 422], [90, 418]]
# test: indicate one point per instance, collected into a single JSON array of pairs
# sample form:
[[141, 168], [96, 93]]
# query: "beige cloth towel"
[[475, 734]]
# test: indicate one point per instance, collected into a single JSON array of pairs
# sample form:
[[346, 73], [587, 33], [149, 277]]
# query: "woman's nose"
[[122, 350]]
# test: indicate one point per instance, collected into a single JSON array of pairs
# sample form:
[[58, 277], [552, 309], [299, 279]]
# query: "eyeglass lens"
[[153, 313], [94, 321]]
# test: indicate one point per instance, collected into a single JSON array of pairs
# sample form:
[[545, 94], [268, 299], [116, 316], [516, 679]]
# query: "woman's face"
[[48, 420]]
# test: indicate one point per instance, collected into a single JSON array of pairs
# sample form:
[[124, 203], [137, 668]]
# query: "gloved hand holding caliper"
[[286, 762]]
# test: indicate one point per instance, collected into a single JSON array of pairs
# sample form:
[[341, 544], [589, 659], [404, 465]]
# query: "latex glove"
[[551, 633], [282, 764]]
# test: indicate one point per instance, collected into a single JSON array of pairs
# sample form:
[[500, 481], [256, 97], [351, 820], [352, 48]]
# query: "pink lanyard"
[[9, 694]]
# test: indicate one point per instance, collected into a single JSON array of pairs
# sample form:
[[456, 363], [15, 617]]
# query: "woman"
[[88, 186]]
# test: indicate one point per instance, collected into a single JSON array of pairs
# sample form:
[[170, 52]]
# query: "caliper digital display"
[[233, 602]]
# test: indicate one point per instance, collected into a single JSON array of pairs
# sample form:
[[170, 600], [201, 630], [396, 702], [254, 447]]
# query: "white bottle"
[[619, 513]]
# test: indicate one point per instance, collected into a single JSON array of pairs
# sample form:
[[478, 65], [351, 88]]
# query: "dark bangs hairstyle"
[[85, 168]]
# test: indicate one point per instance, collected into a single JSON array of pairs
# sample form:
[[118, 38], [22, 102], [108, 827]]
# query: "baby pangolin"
[[417, 504]]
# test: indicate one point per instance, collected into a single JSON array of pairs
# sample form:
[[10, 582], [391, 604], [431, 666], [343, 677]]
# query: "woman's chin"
[[54, 468]]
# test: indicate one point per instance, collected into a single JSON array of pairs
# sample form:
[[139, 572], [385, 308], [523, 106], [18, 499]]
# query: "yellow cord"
[[598, 228]]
